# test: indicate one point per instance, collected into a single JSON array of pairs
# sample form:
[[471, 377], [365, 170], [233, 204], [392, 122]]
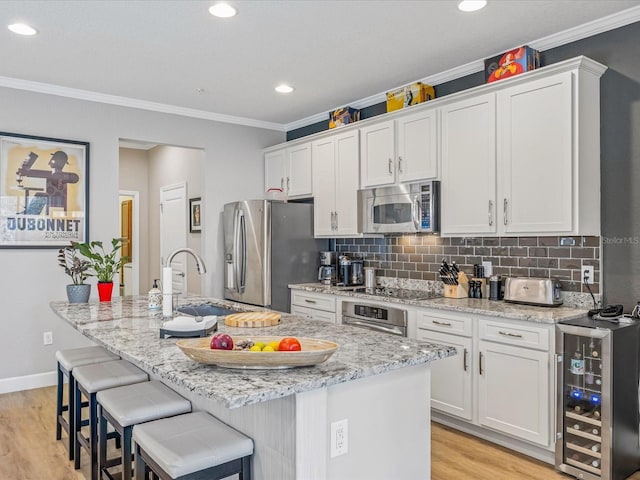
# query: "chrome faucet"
[[167, 278], [199, 262]]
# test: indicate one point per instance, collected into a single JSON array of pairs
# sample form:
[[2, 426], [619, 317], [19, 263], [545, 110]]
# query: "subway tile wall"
[[419, 256]]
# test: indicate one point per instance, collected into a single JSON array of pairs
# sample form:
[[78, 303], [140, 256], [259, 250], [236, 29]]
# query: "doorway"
[[173, 232], [130, 234]]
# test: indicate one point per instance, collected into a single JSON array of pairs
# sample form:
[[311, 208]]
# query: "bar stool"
[[68, 360], [191, 446], [124, 407], [90, 379]]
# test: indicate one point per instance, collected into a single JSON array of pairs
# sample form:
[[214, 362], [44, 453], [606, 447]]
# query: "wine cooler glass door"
[[580, 416]]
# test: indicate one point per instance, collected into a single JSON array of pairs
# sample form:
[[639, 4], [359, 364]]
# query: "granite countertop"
[[501, 309], [127, 327]]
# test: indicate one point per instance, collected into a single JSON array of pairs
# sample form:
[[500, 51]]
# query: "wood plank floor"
[[29, 451]]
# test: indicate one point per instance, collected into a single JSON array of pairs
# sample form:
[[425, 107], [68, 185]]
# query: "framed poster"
[[44, 191], [195, 215]]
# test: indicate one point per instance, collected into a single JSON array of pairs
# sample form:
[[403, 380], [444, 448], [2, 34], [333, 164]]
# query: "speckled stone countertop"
[[127, 327], [465, 305]]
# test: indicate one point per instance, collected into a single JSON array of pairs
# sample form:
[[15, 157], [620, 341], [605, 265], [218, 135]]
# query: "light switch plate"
[[488, 269]]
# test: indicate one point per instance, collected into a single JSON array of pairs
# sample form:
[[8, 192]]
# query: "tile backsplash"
[[418, 256]]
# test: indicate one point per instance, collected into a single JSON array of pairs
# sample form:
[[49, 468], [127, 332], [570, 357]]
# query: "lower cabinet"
[[502, 377], [313, 306]]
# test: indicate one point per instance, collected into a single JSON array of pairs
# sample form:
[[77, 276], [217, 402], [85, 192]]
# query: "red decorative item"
[[105, 289]]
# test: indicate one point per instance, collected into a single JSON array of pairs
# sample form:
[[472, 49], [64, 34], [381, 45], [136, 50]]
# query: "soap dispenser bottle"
[[155, 296]]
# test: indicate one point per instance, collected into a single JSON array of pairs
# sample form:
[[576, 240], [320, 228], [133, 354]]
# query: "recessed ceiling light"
[[284, 88], [222, 10], [22, 29], [472, 5]]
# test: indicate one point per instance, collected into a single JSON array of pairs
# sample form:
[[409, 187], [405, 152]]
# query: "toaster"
[[533, 291]]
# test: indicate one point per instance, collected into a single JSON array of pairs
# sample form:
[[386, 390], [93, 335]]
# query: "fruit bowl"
[[313, 352]]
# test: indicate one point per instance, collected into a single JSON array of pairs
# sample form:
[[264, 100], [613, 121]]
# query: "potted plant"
[[77, 269], [104, 265]]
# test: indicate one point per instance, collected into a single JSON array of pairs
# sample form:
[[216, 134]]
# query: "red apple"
[[221, 341]]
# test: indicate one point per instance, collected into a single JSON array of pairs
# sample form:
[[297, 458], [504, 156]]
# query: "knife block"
[[458, 291]]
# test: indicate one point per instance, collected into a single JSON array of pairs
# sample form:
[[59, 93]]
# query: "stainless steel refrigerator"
[[267, 246]]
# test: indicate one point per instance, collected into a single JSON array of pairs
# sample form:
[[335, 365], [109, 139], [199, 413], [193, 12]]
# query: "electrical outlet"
[[47, 338], [587, 274], [339, 438]]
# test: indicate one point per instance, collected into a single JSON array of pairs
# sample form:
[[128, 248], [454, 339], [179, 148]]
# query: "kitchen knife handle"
[[504, 206], [480, 362], [465, 365], [399, 164], [490, 213], [390, 167]]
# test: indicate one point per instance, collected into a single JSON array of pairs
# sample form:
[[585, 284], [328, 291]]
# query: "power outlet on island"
[[339, 438]]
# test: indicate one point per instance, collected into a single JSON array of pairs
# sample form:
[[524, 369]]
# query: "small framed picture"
[[195, 215]]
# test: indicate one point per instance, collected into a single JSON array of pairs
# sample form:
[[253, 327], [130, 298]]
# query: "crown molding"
[[601, 25], [90, 96]]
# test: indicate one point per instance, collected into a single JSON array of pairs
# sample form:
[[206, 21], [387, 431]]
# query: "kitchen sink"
[[204, 309]]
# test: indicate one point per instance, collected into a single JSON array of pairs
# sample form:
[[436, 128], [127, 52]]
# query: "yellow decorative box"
[[409, 95], [343, 116]]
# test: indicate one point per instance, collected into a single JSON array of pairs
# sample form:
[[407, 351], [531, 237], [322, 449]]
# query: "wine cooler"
[[597, 434]]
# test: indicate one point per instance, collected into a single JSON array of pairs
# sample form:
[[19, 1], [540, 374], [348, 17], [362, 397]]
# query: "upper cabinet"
[[525, 159], [401, 150], [289, 169]]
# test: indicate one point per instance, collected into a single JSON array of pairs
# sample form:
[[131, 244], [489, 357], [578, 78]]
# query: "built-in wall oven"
[[385, 319]]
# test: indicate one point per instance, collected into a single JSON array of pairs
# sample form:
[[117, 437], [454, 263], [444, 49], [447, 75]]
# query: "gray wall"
[[31, 278]]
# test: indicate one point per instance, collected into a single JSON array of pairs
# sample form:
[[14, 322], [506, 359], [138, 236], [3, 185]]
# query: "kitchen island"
[[379, 383]]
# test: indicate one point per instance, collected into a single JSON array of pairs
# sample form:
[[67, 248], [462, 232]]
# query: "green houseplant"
[[78, 269], [104, 265]]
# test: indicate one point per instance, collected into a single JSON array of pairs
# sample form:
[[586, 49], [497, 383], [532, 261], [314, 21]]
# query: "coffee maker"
[[351, 271], [327, 273]]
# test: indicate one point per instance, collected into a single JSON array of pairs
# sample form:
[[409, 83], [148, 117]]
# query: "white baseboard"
[[28, 382]]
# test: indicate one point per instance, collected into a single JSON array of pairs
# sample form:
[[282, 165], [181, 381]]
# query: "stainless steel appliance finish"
[[385, 319], [268, 245], [533, 291], [327, 274], [327, 258], [408, 208], [598, 415], [496, 287], [370, 280]]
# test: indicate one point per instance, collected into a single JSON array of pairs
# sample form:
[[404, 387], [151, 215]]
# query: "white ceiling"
[[334, 52]]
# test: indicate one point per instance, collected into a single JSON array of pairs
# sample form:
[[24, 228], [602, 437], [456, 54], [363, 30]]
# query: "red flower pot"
[[105, 289]]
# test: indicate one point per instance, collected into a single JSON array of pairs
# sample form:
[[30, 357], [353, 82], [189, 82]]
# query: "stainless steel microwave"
[[410, 208]]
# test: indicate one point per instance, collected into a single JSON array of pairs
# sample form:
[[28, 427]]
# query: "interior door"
[[173, 231], [126, 228]]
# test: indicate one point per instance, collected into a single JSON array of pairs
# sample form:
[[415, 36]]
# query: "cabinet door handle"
[[282, 183], [509, 334], [337, 221], [480, 363], [490, 213], [504, 206], [333, 220], [390, 167], [309, 301], [445, 324], [464, 360], [288, 184], [400, 165]]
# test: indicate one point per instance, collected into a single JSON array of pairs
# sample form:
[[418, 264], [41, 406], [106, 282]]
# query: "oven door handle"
[[378, 328]]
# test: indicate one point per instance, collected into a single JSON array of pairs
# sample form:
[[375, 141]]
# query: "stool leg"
[[59, 403], [71, 416], [126, 453], [77, 409], [102, 441], [140, 468], [245, 474], [93, 435]]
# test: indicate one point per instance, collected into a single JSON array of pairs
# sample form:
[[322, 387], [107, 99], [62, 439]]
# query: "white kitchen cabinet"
[[400, 151], [335, 183], [451, 378], [524, 159], [535, 156], [513, 391], [468, 183], [313, 306], [290, 170]]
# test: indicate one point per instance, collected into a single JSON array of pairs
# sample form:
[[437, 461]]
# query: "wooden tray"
[[252, 319], [313, 352]]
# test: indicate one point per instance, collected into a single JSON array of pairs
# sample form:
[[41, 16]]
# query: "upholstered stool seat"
[[68, 360], [124, 407], [91, 379], [190, 446]]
